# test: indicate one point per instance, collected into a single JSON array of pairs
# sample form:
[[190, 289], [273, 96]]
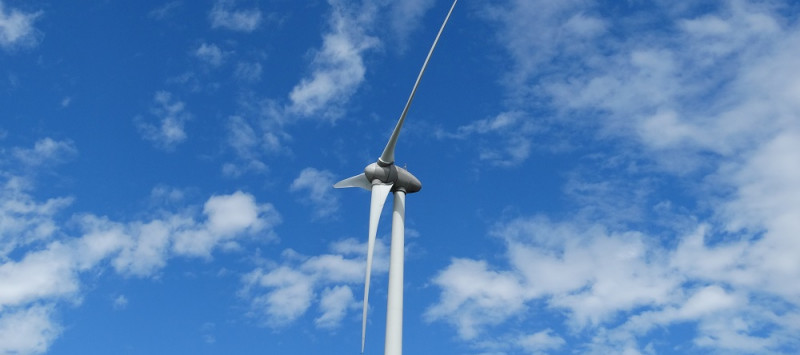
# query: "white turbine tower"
[[381, 178]]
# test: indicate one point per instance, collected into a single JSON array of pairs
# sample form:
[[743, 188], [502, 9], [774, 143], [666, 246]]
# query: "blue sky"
[[598, 176]]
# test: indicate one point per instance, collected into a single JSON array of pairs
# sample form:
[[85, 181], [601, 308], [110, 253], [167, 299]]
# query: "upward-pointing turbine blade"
[[359, 180], [379, 193], [387, 157]]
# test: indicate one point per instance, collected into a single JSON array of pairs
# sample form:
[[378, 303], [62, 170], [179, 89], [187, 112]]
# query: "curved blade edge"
[[387, 157], [377, 200], [359, 180]]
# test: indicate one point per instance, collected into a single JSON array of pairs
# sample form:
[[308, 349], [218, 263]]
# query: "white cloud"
[[541, 341], [621, 286], [171, 116], [23, 220], [137, 248], [40, 274], [237, 212], [210, 53], [16, 28], [120, 302], [228, 216], [709, 299], [334, 304], [222, 15], [767, 193], [473, 296], [318, 184], [580, 271], [144, 248], [290, 296], [27, 331], [337, 267], [282, 294], [338, 68], [45, 151]]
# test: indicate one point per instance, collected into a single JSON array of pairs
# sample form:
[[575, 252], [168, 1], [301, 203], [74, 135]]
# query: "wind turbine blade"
[[359, 180], [379, 193], [387, 157]]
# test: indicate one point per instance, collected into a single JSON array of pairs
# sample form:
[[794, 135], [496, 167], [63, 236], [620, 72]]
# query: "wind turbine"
[[381, 178]]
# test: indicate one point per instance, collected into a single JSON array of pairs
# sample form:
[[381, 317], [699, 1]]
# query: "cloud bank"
[[710, 104], [41, 260]]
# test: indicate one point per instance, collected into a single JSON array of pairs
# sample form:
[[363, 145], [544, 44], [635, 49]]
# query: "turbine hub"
[[402, 179]]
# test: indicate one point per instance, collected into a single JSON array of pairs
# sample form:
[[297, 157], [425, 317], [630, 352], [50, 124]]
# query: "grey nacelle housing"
[[401, 178]]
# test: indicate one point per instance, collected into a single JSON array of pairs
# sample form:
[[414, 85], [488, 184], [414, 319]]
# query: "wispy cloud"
[[405, 17], [171, 115], [317, 185], [120, 302], [252, 142], [164, 10], [210, 53], [223, 15], [248, 71], [514, 128], [23, 219], [541, 341], [45, 151], [16, 28], [280, 295]]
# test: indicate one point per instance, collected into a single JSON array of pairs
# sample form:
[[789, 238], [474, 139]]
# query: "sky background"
[[598, 176]]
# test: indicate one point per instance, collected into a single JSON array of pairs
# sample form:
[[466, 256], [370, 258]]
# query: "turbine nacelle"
[[401, 179]]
